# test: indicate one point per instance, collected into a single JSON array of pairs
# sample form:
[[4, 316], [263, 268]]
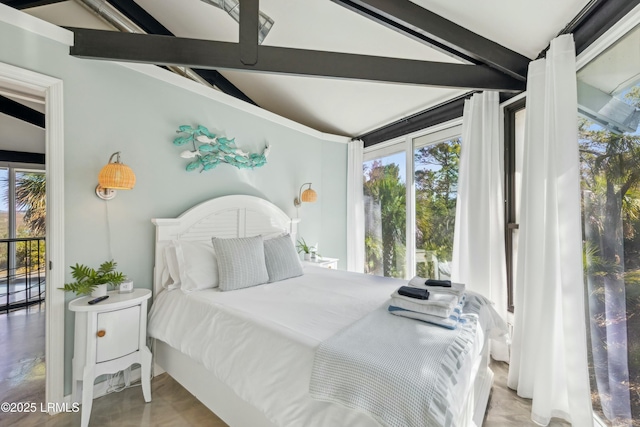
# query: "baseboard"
[[157, 370]]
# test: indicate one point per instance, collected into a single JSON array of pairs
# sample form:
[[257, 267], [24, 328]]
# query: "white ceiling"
[[16, 135], [69, 14], [341, 106], [525, 26]]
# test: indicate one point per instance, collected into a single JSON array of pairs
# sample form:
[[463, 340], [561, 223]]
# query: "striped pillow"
[[241, 262], [282, 259]]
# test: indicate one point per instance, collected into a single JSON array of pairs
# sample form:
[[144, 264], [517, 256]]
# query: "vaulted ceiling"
[[501, 33]]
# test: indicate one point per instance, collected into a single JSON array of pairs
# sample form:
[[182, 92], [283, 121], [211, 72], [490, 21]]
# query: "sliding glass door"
[[410, 191], [609, 98]]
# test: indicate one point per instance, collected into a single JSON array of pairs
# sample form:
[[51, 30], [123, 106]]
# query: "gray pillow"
[[241, 262], [282, 259]]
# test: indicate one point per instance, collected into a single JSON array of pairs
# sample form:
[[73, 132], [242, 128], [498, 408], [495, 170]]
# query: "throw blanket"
[[399, 371]]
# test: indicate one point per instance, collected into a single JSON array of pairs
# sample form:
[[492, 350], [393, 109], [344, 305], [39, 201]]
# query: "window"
[[22, 236], [609, 143], [4, 217], [436, 164], [385, 215], [410, 190]]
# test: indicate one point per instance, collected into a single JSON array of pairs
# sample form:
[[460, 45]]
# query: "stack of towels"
[[438, 302]]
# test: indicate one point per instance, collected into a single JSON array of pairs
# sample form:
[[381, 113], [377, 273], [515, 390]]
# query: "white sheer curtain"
[[478, 244], [355, 208], [549, 351]]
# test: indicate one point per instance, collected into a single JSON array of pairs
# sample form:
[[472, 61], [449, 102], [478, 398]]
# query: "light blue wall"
[[110, 108]]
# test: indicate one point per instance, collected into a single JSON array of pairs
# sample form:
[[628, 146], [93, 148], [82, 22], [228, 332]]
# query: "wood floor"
[[22, 380]]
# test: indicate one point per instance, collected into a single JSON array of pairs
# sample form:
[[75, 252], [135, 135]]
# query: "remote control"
[[97, 300]]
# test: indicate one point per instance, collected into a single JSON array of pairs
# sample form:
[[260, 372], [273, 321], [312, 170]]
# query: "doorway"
[[48, 88]]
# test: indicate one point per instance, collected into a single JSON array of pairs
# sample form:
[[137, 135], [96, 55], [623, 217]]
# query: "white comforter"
[[283, 323]]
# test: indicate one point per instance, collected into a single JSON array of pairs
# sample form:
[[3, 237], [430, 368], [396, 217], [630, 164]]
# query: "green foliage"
[[31, 197], [594, 264], [384, 190], [610, 180], [87, 278], [436, 182], [302, 246]]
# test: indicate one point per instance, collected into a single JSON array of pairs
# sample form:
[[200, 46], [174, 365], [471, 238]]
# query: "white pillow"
[[171, 271], [197, 265]]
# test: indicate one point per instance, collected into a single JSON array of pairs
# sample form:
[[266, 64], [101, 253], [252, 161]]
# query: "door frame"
[[51, 90]]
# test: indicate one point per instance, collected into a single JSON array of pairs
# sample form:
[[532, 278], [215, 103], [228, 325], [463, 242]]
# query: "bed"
[[249, 354]]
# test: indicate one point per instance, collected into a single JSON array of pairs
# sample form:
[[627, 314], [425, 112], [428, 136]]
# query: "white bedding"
[[283, 322]]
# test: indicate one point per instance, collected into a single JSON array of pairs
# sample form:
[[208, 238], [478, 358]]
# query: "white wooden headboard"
[[225, 217]]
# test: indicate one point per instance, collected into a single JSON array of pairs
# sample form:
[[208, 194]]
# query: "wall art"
[[210, 150]]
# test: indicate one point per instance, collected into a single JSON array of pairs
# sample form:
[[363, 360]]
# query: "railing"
[[22, 272]]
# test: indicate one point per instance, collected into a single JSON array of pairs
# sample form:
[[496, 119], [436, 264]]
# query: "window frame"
[[510, 224], [434, 135]]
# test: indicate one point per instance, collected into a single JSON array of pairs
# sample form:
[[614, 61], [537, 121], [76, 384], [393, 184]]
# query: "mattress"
[[261, 341]]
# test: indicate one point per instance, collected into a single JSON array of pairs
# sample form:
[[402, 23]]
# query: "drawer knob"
[[101, 333]]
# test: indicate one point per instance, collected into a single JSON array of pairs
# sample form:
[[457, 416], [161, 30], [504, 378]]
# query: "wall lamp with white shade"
[[309, 195], [114, 176]]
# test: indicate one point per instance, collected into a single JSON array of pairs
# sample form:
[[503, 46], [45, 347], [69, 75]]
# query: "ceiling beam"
[[249, 23], [22, 157], [162, 50], [414, 21], [449, 110], [150, 25], [140, 17], [21, 112], [26, 4]]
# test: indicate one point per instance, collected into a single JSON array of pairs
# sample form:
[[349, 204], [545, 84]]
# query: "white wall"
[[111, 108]]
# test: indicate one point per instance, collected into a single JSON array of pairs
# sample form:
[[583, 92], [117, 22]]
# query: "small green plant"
[[303, 247], [87, 278]]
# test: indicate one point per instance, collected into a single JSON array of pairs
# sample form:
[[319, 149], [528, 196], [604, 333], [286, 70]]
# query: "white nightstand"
[[324, 262], [109, 337]]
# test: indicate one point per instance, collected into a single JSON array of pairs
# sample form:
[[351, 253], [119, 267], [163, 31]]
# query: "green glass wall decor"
[[210, 150]]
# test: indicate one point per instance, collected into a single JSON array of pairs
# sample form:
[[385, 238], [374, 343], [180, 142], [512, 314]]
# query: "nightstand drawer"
[[118, 333]]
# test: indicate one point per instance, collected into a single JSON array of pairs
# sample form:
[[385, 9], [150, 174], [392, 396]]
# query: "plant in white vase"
[[304, 248], [94, 282]]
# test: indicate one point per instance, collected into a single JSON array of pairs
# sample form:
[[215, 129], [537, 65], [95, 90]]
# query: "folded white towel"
[[450, 322], [417, 282], [457, 289], [436, 305], [433, 310]]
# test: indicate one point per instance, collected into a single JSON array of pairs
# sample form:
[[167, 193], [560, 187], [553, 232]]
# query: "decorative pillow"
[[281, 258], [197, 266], [241, 262]]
